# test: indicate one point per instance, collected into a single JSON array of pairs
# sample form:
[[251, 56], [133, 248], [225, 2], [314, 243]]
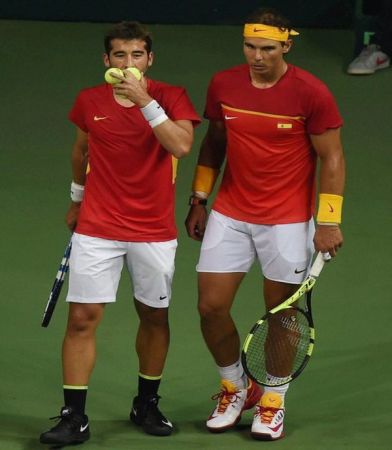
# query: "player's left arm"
[[328, 146]]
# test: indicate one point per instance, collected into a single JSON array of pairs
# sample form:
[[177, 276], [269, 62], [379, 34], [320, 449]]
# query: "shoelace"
[[266, 413], [225, 398], [59, 417]]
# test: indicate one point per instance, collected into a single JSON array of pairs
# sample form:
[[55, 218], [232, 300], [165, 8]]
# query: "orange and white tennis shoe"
[[231, 402], [268, 419]]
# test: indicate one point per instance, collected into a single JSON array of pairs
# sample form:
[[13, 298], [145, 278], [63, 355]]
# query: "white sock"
[[281, 390], [235, 374]]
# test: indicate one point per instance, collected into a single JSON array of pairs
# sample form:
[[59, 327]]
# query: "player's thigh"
[[285, 251], [275, 292], [151, 267], [94, 269], [217, 291], [227, 246]]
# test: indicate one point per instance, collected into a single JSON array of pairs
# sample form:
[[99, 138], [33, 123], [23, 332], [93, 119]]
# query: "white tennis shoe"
[[231, 402], [268, 418], [368, 61]]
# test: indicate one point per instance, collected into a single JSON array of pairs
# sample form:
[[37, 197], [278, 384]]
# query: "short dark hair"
[[128, 31], [269, 16]]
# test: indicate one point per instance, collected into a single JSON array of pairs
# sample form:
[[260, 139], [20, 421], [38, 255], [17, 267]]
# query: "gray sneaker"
[[368, 61]]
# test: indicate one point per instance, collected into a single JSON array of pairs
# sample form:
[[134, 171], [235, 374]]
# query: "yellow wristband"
[[330, 208], [204, 179]]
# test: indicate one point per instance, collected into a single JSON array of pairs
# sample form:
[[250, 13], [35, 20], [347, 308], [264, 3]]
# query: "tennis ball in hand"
[[108, 75], [135, 72]]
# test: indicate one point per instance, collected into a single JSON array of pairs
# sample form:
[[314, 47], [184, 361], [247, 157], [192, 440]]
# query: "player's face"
[[264, 56], [126, 54]]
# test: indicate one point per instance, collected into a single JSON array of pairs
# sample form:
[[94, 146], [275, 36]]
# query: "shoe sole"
[[225, 428], [60, 443], [367, 72], [265, 437]]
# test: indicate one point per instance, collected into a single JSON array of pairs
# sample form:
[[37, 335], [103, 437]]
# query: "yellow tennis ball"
[[135, 72], [108, 75]]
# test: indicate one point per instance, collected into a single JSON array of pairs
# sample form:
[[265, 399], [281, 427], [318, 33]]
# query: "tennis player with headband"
[[271, 121]]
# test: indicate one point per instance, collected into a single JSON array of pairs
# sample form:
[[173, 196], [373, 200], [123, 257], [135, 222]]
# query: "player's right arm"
[[212, 154], [79, 160]]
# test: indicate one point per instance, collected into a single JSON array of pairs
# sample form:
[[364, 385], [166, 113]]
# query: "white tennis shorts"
[[95, 268], [284, 251]]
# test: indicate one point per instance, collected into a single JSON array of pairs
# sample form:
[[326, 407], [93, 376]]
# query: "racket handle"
[[318, 264]]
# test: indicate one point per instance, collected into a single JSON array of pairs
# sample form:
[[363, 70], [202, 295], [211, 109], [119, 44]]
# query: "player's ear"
[[106, 61], [150, 59], [287, 45]]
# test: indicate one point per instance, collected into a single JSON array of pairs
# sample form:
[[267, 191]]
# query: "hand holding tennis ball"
[[135, 72], [116, 71], [112, 80]]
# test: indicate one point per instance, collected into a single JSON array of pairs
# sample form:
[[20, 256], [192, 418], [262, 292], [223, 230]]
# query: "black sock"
[[148, 386], [75, 397]]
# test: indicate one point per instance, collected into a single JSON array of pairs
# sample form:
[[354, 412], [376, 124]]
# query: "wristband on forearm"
[[77, 192], [330, 209], [154, 113], [204, 180], [194, 199]]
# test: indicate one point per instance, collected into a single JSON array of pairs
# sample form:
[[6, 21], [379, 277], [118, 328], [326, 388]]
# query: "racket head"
[[279, 346]]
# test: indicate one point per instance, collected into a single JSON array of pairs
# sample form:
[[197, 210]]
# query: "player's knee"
[[82, 320], [209, 310], [154, 317]]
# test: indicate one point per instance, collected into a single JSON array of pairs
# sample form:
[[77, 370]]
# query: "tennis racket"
[[57, 285], [279, 345]]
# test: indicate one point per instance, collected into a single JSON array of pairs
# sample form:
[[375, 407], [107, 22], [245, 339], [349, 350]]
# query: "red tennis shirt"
[[269, 176], [129, 191]]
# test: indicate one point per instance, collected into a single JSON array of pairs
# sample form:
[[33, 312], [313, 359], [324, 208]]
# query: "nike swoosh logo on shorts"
[[299, 271]]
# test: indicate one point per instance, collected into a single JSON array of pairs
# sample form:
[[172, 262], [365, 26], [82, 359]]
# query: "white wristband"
[[77, 192], [154, 113], [328, 224], [160, 119], [200, 194]]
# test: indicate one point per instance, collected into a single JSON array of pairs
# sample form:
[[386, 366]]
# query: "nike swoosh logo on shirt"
[[230, 117], [96, 118]]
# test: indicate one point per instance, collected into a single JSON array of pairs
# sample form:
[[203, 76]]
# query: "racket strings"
[[279, 347]]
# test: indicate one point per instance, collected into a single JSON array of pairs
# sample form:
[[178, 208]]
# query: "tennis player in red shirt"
[[270, 121], [129, 137]]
